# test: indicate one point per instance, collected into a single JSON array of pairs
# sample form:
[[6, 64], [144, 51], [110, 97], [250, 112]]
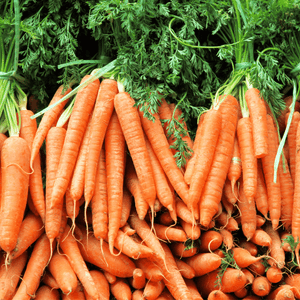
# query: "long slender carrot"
[[102, 112], [205, 151], [126, 206], [235, 168], [258, 116], [15, 168], [261, 197], [150, 269], [212, 191], [83, 106], [47, 120], [133, 132], [115, 169]]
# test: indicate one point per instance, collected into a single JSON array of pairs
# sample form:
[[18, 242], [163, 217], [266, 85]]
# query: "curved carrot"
[[138, 280], [133, 132], [83, 106], [235, 168], [211, 129], [115, 169], [47, 120], [15, 168], [101, 284], [261, 286], [120, 289], [153, 289], [261, 197], [258, 116], [102, 112]]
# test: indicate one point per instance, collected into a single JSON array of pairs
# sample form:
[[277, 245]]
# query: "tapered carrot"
[[212, 191], [126, 206], [101, 284], [70, 248], [72, 206], [27, 132], [273, 188], [153, 289], [183, 212], [102, 112], [261, 238], [210, 241], [165, 295], [205, 151], [9, 278], [138, 280], [45, 292], [191, 285], [54, 144], [15, 157], [257, 268], [36, 265], [133, 185], [170, 233], [192, 232], [231, 195], [133, 132], [31, 229], [78, 177], [227, 222], [137, 295], [261, 197], [163, 190], [243, 258], [151, 270], [63, 273], [179, 249], [160, 146], [291, 141], [249, 161], [121, 289], [261, 286], [115, 169], [235, 168], [258, 116], [49, 280], [47, 121], [83, 106], [185, 269], [227, 238]]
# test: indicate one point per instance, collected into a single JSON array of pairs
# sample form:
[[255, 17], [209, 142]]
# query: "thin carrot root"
[[13, 164]]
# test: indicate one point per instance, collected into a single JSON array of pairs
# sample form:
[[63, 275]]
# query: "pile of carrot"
[[118, 219]]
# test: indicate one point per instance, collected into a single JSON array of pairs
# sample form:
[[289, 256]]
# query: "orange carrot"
[[274, 274], [258, 268], [138, 280], [179, 249], [227, 238], [83, 106], [170, 233], [102, 113], [258, 116], [49, 280], [235, 168], [210, 240], [15, 157], [219, 295], [212, 191], [101, 284], [294, 281], [193, 232], [150, 269], [261, 286], [251, 247], [186, 270], [153, 289], [191, 285], [261, 238], [115, 169], [231, 195], [78, 294], [45, 292], [47, 121], [243, 258], [121, 289], [283, 292]]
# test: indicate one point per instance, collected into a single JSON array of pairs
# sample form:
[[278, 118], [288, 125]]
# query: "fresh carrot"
[[242, 293], [63, 273], [137, 295], [235, 168], [153, 289], [134, 136], [243, 258], [165, 295], [35, 267], [258, 116], [82, 109], [109, 277], [78, 294], [283, 292], [260, 221], [15, 157], [227, 238], [249, 275], [210, 240], [193, 232], [126, 206], [204, 263], [121, 289], [183, 212], [231, 195], [284, 244], [150, 269], [191, 285], [185, 269], [261, 286], [211, 129], [72, 206], [212, 191], [251, 247], [49, 280], [227, 222], [294, 281], [138, 280], [170, 233], [165, 219], [31, 229], [101, 284], [102, 113], [47, 120], [258, 268], [261, 238], [219, 295], [273, 188], [274, 274], [45, 292], [179, 249]]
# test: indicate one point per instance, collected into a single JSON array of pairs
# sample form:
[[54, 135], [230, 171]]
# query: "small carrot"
[[243, 258], [138, 280], [227, 238], [45, 292], [151, 270], [219, 295], [257, 268], [153, 289], [193, 232], [251, 247], [49, 280], [210, 240], [274, 274], [170, 233], [101, 284], [261, 238], [186, 270], [191, 285], [235, 168], [283, 292], [261, 286]]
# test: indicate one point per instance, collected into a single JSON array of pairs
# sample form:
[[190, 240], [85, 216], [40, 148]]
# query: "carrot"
[[72, 206], [83, 106], [284, 244], [204, 263], [133, 185], [150, 269], [249, 161], [258, 116], [273, 188], [70, 248], [242, 293], [160, 146], [54, 144], [165, 295], [291, 141], [231, 195], [211, 130], [47, 120], [186, 270], [126, 207], [137, 295], [120, 266], [78, 294], [210, 240], [133, 132], [153, 289], [227, 238], [248, 214], [192, 232], [109, 277], [212, 191], [283, 292], [121, 289], [294, 281], [10, 276], [235, 168], [227, 206], [258, 268], [115, 169], [231, 281], [261, 197], [165, 219], [251, 247], [63, 273], [243, 258], [179, 249], [260, 221], [15, 156], [183, 212], [28, 130], [261, 286], [249, 275], [191, 285], [45, 292], [274, 274], [31, 229], [102, 113], [78, 177], [170, 233], [219, 295], [261, 238], [36, 265], [172, 276], [164, 193], [49, 280], [101, 284], [227, 222], [138, 280]]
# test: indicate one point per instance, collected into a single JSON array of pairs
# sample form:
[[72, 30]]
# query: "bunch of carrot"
[[119, 218]]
